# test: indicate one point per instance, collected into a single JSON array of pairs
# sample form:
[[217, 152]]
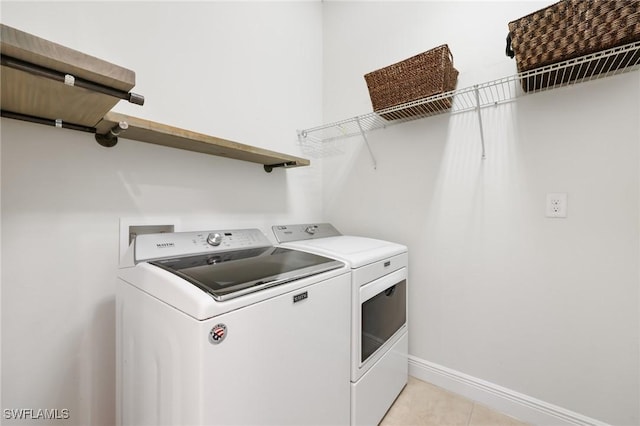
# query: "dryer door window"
[[382, 315]]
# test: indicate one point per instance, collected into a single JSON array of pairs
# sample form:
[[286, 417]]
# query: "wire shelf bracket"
[[477, 92], [366, 142]]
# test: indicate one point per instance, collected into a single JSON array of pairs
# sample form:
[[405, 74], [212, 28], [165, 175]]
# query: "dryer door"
[[381, 317]]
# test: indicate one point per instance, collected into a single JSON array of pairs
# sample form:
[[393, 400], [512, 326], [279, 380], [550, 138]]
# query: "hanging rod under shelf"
[[609, 62], [69, 80]]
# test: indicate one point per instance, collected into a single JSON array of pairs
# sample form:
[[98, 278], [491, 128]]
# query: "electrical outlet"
[[557, 204]]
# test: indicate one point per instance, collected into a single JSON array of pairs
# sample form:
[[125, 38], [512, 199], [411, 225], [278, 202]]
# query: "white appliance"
[[379, 337], [222, 328]]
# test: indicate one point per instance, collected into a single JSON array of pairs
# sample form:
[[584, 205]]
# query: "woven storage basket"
[[421, 76], [570, 29]]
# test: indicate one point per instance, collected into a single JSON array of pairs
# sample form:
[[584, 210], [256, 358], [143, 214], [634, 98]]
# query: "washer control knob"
[[311, 229], [214, 239]]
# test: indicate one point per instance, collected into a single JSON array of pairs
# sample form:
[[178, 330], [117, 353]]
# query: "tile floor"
[[423, 404]]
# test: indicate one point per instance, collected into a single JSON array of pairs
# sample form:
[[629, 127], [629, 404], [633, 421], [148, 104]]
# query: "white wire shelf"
[[589, 67]]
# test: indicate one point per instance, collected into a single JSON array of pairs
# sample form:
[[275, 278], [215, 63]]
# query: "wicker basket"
[[570, 29], [421, 76]]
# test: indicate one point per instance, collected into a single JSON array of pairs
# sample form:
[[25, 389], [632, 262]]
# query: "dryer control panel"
[[176, 244], [288, 233]]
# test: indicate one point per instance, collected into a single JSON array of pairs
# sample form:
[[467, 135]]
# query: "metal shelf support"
[[366, 141], [477, 92], [69, 79]]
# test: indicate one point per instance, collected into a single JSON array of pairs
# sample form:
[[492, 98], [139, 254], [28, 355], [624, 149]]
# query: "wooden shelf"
[[162, 134], [47, 83], [33, 94]]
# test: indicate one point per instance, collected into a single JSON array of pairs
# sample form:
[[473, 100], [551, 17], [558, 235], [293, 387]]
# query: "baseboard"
[[515, 404]]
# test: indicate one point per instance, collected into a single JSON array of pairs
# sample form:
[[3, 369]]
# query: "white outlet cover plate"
[[126, 222], [556, 205]]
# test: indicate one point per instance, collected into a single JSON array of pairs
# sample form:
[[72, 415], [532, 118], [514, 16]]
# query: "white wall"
[[548, 308], [249, 72], [544, 307]]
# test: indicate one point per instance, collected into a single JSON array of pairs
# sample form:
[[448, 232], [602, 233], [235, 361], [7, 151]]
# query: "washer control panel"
[[287, 233], [176, 244]]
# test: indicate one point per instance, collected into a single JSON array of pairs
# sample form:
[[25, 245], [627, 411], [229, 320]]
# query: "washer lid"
[[357, 251], [231, 274]]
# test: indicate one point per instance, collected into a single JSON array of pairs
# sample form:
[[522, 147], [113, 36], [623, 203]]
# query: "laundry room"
[[530, 314]]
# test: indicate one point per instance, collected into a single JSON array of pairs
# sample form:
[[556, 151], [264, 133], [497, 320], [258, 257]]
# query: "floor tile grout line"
[[473, 407]]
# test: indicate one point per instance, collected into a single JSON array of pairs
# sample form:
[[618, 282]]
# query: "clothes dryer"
[[379, 330]]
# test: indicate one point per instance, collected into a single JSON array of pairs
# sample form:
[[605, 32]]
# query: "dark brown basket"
[[570, 29], [421, 76]]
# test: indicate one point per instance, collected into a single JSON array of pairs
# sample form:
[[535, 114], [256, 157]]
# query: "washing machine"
[[223, 328], [379, 328]]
